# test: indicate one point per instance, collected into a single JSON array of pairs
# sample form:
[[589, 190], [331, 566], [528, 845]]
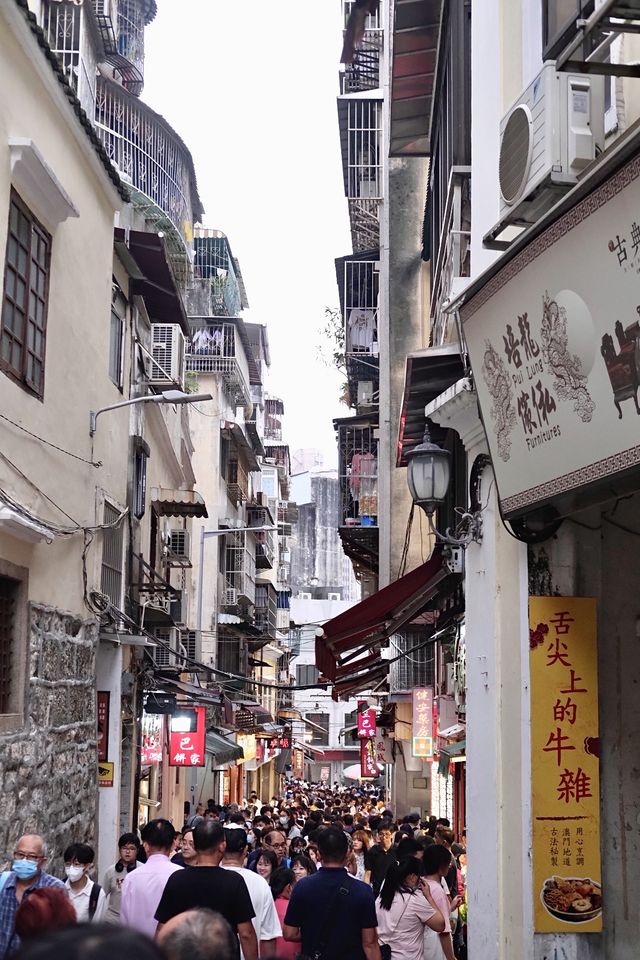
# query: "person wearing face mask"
[[88, 898], [26, 875]]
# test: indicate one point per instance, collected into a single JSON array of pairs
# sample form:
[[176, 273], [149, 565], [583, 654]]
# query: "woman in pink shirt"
[[437, 863], [403, 909], [282, 882]]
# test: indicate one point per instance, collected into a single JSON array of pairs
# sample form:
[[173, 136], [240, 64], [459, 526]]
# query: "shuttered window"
[[8, 608], [112, 542]]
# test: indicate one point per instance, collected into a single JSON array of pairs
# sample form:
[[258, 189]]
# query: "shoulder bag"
[[385, 948], [319, 952]]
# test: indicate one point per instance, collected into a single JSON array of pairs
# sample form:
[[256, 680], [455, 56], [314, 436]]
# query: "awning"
[[358, 682], [288, 713], [153, 279], [178, 503], [428, 374], [447, 754], [307, 746], [197, 694], [260, 713], [351, 641], [221, 749], [232, 430], [416, 31]]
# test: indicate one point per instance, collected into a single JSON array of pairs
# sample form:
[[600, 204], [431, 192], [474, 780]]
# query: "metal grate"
[[112, 543], [415, 669], [8, 601], [364, 154], [358, 467], [361, 285], [240, 566]]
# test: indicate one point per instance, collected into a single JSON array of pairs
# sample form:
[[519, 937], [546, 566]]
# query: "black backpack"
[[93, 900]]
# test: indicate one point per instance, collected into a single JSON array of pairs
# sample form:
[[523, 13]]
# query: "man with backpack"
[[26, 875], [88, 898]]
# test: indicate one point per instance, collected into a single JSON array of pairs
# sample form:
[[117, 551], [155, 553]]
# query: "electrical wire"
[[91, 463]]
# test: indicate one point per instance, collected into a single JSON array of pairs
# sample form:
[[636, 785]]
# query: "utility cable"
[[91, 463]]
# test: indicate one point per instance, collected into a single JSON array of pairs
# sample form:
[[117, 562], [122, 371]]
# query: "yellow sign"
[[248, 743], [105, 773], [565, 778]]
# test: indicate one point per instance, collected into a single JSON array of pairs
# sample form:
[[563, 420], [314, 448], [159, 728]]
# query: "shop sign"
[[368, 762], [554, 341], [565, 783], [105, 773], [297, 764], [366, 720], [152, 739], [422, 722], [325, 773], [249, 745], [280, 743], [186, 740], [103, 724]]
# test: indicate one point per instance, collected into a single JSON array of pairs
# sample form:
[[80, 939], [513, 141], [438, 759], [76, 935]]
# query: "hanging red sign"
[[152, 739], [103, 724], [280, 743], [366, 720], [422, 732], [368, 763], [186, 741]]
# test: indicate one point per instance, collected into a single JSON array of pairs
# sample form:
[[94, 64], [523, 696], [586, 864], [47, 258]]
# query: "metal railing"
[[358, 475], [360, 306], [363, 73], [215, 347], [453, 254], [68, 35]]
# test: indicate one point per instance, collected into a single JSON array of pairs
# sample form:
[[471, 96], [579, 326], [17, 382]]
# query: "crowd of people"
[[317, 874]]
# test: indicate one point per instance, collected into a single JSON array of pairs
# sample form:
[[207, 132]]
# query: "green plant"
[[331, 350]]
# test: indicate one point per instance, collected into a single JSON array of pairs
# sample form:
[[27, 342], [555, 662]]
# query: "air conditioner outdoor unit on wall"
[[167, 350], [231, 597], [179, 544], [553, 131]]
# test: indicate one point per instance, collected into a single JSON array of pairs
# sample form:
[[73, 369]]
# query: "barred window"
[[306, 674], [112, 544], [25, 296]]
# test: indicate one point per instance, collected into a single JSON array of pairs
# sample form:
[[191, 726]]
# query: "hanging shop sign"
[[105, 773], [187, 737], [422, 722], [103, 723], [554, 341], [368, 762], [280, 743], [565, 779], [152, 739], [297, 764], [248, 743], [325, 773], [366, 720]]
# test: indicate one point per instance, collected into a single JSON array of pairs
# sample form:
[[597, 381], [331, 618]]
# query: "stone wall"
[[48, 768]]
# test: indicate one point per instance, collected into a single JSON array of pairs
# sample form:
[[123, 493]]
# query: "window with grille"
[[24, 302], [411, 669], [306, 674], [112, 544], [9, 593], [319, 737], [116, 336]]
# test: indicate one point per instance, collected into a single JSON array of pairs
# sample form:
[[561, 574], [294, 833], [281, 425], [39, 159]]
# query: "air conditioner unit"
[[551, 133], [164, 652], [231, 597], [179, 609], [167, 350], [179, 544]]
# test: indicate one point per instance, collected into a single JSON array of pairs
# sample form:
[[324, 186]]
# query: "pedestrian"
[[360, 845], [380, 857], [186, 856], [200, 934], [26, 875], [276, 841], [332, 914], [207, 883], [436, 865], [266, 863], [98, 941], [282, 883], [87, 896], [143, 887], [44, 911], [403, 911], [302, 867], [128, 847], [265, 922]]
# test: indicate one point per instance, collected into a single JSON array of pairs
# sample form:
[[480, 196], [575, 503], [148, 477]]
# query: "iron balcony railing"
[[358, 475], [363, 73], [453, 252], [68, 33], [360, 307], [215, 347]]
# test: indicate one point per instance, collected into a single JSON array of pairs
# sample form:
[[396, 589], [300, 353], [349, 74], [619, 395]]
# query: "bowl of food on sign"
[[572, 899]]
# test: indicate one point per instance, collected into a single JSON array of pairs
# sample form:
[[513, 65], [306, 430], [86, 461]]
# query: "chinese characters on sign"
[[368, 763], [186, 746], [422, 725], [103, 724], [366, 720], [152, 739], [565, 765], [280, 743]]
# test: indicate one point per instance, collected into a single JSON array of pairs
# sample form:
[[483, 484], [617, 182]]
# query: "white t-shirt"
[[440, 895], [266, 922], [80, 901]]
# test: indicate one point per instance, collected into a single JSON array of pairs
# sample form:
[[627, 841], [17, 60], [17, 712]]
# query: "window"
[[306, 674], [116, 336], [558, 23], [112, 543], [24, 302], [268, 483], [13, 643], [319, 731]]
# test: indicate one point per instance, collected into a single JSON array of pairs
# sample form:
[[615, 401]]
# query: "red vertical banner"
[[422, 722], [366, 720], [103, 724], [368, 763], [152, 739], [186, 741]]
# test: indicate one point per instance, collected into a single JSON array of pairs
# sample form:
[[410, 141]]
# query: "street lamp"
[[218, 533], [428, 477], [167, 396]]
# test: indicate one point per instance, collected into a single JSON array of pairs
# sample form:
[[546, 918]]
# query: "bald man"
[[26, 875], [199, 932]]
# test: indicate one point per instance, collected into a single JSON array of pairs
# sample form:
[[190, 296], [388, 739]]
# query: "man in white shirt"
[[88, 898], [143, 888], [265, 922]]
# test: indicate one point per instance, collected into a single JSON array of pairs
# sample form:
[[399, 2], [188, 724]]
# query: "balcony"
[[452, 249], [216, 289], [363, 72], [358, 286], [266, 609], [360, 122], [162, 603], [358, 478], [153, 159], [265, 539], [237, 479], [68, 33], [239, 570], [215, 347]]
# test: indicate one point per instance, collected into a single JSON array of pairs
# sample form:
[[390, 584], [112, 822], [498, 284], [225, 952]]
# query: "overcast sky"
[[251, 88]]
